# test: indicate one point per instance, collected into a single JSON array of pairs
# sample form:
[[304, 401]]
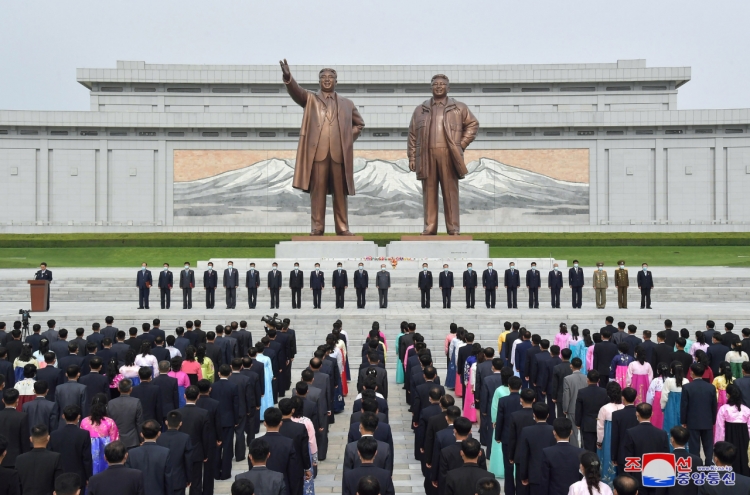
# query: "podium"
[[39, 292]]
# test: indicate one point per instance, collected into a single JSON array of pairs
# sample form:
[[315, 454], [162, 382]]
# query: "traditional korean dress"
[[267, 400], [183, 382], [618, 369], [580, 351], [18, 367], [450, 378], [733, 426], [25, 392], [604, 436], [101, 435], [671, 395], [562, 340], [131, 373], [735, 360], [399, 364], [469, 409], [309, 485], [653, 397], [495, 465], [459, 388], [640, 377], [720, 382], [589, 358]]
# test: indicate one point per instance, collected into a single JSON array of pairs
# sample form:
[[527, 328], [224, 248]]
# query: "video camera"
[[272, 320], [25, 317]]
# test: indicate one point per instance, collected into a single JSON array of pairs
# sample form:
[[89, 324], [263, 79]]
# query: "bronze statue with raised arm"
[[440, 130], [325, 155]]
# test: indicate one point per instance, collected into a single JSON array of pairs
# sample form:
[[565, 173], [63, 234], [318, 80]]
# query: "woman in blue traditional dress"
[[579, 347], [671, 396], [102, 429], [604, 431], [399, 364]]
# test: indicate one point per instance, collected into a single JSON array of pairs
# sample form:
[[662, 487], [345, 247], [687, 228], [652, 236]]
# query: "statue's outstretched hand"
[[285, 69]]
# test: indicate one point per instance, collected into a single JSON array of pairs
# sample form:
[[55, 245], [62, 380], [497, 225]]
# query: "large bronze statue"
[[325, 156], [440, 130]]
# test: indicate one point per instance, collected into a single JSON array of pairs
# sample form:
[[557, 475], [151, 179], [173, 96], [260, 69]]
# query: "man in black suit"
[[44, 274], [645, 284], [560, 462], [180, 452], [38, 468], [421, 396], [555, 283], [149, 395], [533, 282], [296, 283], [40, 410], [168, 390], [533, 440], [361, 281], [248, 401], [698, 412], [74, 445], [489, 385], [14, 426], [445, 283], [59, 346], [187, 282], [283, 458], [372, 369], [450, 454], [518, 421], [296, 432], [143, 281], [679, 437], [196, 423], [50, 374], [545, 372], [729, 337], [384, 458], [743, 383], [470, 285], [340, 282], [117, 479], [317, 284], [165, 283], [716, 353], [210, 469], [588, 402], [661, 352], [428, 412], [576, 282], [725, 454], [367, 449], [538, 365], [463, 480], [608, 325], [228, 396], [231, 281], [604, 353], [424, 282], [633, 341], [109, 331], [252, 282], [512, 282], [71, 392], [645, 438], [680, 355], [274, 285], [153, 461], [210, 282], [506, 407], [622, 421], [262, 479], [489, 283], [557, 382]]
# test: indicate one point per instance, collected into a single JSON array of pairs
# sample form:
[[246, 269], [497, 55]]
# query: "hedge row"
[[220, 239]]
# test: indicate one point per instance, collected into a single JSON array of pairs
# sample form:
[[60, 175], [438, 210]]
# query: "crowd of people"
[[167, 414]]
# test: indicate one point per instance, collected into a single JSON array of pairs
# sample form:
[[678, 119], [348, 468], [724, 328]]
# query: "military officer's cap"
[[621, 262], [600, 264]]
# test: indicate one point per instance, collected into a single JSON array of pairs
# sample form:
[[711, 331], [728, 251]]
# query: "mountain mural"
[[384, 190]]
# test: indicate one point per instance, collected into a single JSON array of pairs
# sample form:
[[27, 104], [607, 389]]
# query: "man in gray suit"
[[71, 393], [40, 410], [383, 283], [231, 282], [383, 457], [266, 482], [51, 334], [571, 385], [127, 413]]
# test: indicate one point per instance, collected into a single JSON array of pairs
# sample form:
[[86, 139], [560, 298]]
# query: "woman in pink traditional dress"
[[469, 406], [563, 337], [733, 426], [699, 344], [597, 337], [183, 381], [102, 429], [653, 396], [618, 368], [640, 375]]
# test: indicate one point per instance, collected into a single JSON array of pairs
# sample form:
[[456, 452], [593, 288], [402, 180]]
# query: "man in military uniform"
[[600, 285], [622, 282]]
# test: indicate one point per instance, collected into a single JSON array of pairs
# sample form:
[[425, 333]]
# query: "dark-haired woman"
[[592, 483], [26, 357], [604, 430], [640, 375], [671, 396], [103, 431], [579, 346], [733, 426], [653, 396]]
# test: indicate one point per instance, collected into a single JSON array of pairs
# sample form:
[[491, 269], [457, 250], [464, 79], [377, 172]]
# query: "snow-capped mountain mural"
[[387, 193]]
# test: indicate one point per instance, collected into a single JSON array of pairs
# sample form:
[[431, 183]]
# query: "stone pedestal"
[[444, 247], [326, 247]]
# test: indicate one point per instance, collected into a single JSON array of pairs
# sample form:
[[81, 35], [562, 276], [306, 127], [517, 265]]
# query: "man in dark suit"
[[533, 282], [109, 331], [489, 283], [533, 440], [529, 360], [340, 282], [283, 456], [555, 283], [678, 437], [153, 461], [361, 282], [317, 284], [588, 402], [117, 479], [450, 454], [196, 423], [421, 396], [44, 274], [445, 283], [372, 369], [38, 468], [489, 385], [645, 284], [165, 283], [298, 434], [384, 457], [512, 282], [463, 480], [576, 282], [557, 381], [744, 383], [680, 355], [252, 282], [71, 392], [729, 337], [604, 352], [149, 395], [367, 449], [661, 352], [50, 374], [725, 454], [518, 421], [698, 412], [210, 282], [633, 341], [14, 426], [168, 390], [74, 445], [519, 359], [127, 413], [716, 353], [608, 325], [560, 462], [296, 283], [40, 410], [231, 281], [143, 281], [247, 401], [383, 283], [537, 375], [227, 394], [59, 346], [424, 282], [274, 285], [506, 406], [670, 335], [265, 481], [187, 282], [622, 421], [180, 452], [645, 438], [470, 285]]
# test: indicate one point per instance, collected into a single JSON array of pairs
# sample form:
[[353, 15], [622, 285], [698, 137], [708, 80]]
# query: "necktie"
[[329, 107]]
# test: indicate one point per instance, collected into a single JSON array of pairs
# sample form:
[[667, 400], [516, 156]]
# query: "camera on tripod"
[[272, 320], [25, 317]]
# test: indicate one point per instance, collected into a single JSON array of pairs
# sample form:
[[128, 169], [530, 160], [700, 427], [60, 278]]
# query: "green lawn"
[[175, 256]]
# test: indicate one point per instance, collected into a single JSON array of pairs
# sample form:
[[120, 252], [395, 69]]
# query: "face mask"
[[274, 268], [556, 269], [296, 267], [186, 267], [230, 267], [252, 268], [622, 267], [424, 268], [361, 268], [317, 268], [445, 270], [575, 265], [533, 268], [512, 267], [468, 269], [210, 268], [339, 268], [600, 268], [645, 268], [143, 268], [382, 268]]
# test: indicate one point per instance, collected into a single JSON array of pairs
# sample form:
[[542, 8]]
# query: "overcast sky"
[[43, 42]]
